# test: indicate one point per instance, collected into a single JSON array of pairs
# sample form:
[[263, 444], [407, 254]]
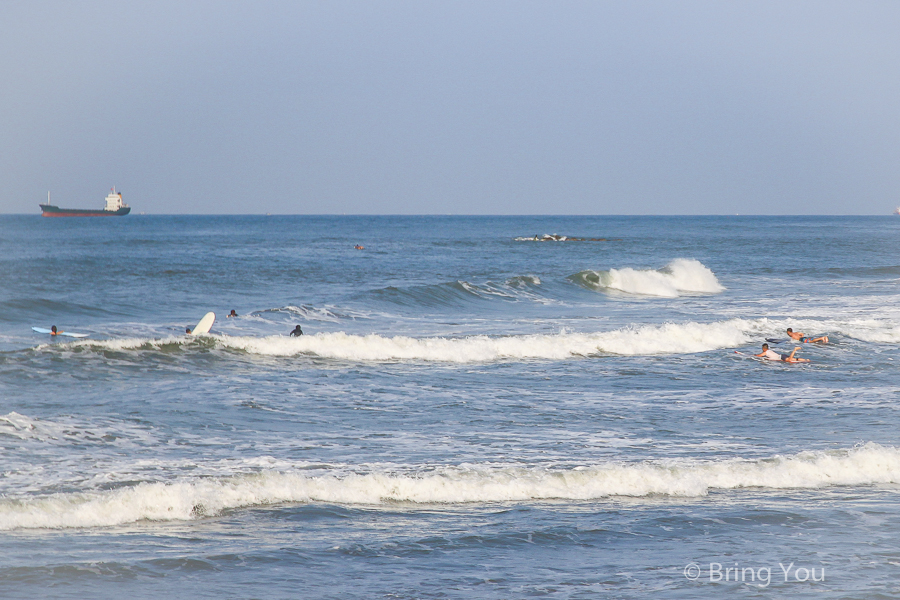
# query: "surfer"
[[231, 314], [188, 331], [53, 330], [802, 337], [359, 247], [772, 355], [297, 331]]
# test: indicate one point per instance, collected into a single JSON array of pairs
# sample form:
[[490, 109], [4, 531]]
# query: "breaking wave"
[[634, 340], [871, 330], [185, 500], [668, 338], [679, 277]]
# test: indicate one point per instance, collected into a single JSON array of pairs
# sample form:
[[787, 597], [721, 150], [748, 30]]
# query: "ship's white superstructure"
[[114, 201]]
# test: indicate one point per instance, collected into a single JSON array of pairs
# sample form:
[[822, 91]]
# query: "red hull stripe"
[[68, 214]]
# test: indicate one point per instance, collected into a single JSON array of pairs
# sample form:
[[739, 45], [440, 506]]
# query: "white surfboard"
[[205, 324], [65, 333]]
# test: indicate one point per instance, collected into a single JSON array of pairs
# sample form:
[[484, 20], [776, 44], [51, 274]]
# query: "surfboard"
[[791, 341], [65, 333], [766, 360], [205, 324]]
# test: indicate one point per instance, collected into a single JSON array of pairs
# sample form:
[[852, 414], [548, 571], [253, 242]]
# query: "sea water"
[[470, 413]]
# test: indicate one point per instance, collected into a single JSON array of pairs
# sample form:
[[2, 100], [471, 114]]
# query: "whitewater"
[[204, 497], [633, 340], [472, 411]]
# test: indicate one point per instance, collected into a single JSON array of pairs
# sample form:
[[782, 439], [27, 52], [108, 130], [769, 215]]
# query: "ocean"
[[474, 410]]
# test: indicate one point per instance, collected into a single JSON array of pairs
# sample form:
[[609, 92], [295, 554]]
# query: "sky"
[[452, 107]]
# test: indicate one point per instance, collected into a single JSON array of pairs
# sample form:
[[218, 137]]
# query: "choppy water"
[[471, 413]]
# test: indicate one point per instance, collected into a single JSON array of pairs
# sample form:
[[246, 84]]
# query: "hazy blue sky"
[[452, 107]]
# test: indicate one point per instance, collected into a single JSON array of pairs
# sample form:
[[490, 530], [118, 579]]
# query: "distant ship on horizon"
[[114, 208], [897, 211]]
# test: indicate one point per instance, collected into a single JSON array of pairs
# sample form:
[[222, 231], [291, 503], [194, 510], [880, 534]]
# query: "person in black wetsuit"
[[297, 331]]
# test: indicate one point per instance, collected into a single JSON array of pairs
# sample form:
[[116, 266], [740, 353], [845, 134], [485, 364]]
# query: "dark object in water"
[[562, 238]]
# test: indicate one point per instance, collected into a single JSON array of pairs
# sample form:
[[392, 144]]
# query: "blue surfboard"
[[65, 333]]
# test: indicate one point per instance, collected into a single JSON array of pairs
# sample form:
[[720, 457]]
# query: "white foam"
[[636, 340], [668, 338], [183, 500], [22, 427], [680, 276], [883, 331], [867, 330]]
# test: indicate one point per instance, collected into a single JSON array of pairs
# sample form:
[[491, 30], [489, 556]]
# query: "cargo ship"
[[114, 208]]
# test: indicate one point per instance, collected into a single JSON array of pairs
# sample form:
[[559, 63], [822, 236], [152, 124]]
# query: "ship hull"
[[48, 210]]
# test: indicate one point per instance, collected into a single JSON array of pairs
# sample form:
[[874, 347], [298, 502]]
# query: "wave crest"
[[679, 277], [668, 338], [865, 465]]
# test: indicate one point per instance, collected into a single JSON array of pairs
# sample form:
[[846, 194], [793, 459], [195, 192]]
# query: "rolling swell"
[[17, 310], [458, 294], [355, 485], [311, 313]]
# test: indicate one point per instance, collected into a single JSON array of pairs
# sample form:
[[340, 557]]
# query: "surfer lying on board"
[[53, 330], [772, 355], [802, 337]]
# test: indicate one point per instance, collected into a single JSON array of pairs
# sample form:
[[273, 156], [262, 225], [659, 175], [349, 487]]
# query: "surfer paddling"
[[772, 355], [53, 330], [802, 337]]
